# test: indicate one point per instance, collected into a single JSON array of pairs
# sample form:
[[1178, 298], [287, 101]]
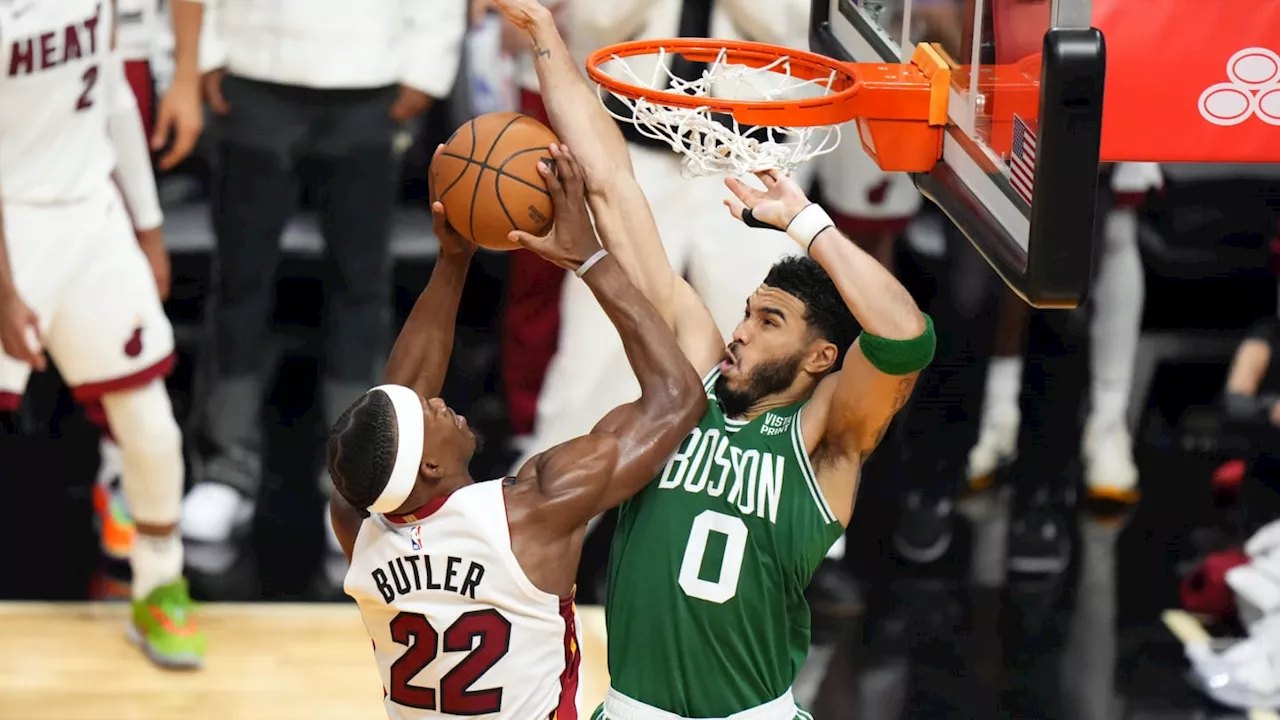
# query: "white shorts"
[[80, 269], [855, 187]]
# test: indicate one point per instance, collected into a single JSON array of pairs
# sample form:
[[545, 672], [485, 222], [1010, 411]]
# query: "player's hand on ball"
[[778, 204], [20, 331], [152, 244], [451, 241], [573, 239]]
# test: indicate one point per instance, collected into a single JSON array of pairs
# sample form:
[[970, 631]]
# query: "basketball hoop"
[[765, 107]]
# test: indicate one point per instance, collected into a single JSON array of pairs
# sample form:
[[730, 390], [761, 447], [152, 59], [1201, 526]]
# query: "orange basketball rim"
[[901, 110]]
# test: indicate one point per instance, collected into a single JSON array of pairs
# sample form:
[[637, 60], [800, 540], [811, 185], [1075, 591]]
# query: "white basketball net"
[[710, 146]]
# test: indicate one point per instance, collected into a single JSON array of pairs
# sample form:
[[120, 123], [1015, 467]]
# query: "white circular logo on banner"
[[1252, 89]]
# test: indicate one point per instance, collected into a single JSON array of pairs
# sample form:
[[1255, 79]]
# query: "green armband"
[[900, 357]]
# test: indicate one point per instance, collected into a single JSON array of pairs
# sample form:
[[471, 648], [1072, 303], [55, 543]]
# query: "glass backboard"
[[1019, 167]]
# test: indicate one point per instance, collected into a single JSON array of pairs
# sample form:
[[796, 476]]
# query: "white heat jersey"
[[137, 28], [54, 103], [457, 627]]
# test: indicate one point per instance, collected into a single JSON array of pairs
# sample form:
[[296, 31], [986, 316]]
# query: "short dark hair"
[[824, 310], [362, 449]]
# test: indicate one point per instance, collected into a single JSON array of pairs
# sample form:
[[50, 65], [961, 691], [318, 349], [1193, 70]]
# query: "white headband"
[[408, 411]]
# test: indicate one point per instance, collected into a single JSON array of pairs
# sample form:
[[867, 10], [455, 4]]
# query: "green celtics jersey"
[[706, 609]]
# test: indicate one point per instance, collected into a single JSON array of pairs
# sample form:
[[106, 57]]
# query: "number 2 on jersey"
[[89, 78], [725, 586], [415, 631]]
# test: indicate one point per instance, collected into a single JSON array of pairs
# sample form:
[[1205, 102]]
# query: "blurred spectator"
[[1039, 539], [331, 81], [135, 35], [1107, 448], [179, 118], [1253, 404], [531, 318], [136, 32]]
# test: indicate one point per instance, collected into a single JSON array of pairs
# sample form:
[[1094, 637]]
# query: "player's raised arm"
[[420, 357], [624, 451], [621, 211], [851, 410]]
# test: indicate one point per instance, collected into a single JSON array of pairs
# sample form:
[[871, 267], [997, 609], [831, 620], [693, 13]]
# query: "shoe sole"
[[169, 662]]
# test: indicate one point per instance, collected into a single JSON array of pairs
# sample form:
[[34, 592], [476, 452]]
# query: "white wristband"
[[591, 261], [808, 223]]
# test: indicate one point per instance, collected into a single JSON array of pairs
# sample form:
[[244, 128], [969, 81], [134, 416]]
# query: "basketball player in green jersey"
[[706, 612]]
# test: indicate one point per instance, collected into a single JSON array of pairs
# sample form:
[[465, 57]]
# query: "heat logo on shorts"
[[1252, 90]]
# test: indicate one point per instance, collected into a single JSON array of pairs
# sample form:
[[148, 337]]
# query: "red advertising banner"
[[1190, 81]]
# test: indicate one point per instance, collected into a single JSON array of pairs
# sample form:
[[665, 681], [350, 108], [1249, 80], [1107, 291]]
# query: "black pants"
[[348, 135]]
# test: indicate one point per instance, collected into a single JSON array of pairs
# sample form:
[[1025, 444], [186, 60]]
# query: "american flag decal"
[[1022, 159]]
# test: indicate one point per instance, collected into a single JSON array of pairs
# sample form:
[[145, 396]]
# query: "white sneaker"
[[997, 444], [212, 512], [1109, 470], [1245, 675]]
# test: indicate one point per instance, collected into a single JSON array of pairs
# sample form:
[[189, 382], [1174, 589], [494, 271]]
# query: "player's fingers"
[[164, 126], [567, 165], [548, 170], [736, 208], [525, 240], [769, 177], [747, 194], [34, 344], [183, 144]]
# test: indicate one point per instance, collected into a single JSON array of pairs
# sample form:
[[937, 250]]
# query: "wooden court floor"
[[266, 661]]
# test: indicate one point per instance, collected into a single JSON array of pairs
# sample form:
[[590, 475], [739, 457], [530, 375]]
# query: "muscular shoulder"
[[569, 465]]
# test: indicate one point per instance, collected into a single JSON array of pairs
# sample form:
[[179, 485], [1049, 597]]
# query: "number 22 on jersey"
[[455, 696]]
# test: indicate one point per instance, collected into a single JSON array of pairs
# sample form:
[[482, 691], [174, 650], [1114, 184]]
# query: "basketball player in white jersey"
[[79, 262], [466, 588]]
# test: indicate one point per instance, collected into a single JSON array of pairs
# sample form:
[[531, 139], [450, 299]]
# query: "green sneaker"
[[163, 627]]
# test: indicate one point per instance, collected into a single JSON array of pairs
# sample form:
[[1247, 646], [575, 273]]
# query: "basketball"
[[487, 178]]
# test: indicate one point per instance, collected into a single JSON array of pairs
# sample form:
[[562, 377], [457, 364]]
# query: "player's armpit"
[[845, 419], [346, 523], [862, 403]]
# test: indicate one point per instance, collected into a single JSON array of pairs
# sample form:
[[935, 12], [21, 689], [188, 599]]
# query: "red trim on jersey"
[[138, 74], [568, 708], [422, 512], [92, 391], [9, 402]]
